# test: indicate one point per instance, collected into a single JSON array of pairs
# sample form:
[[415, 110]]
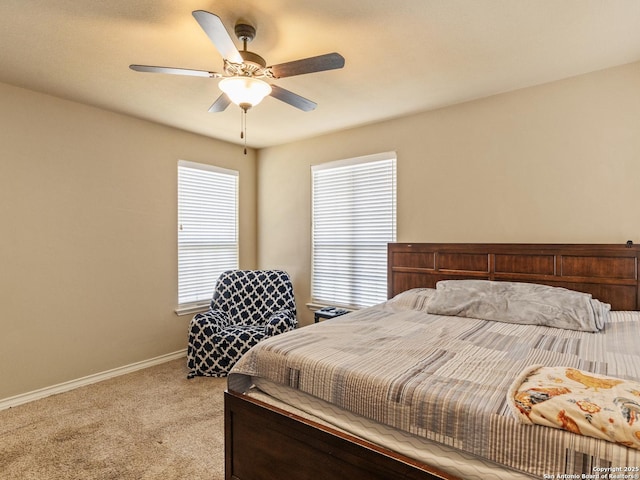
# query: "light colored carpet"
[[150, 424]]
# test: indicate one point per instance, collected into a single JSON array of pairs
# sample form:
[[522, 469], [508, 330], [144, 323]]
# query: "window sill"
[[191, 308], [315, 306]]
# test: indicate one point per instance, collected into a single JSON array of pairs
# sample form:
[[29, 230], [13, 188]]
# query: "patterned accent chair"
[[247, 306]]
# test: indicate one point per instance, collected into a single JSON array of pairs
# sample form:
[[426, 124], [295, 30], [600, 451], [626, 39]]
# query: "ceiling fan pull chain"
[[243, 134]]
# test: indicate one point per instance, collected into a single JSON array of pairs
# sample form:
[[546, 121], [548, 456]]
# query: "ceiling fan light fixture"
[[245, 92]]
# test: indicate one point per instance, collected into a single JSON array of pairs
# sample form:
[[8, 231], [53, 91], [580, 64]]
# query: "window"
[[354, 217], [207, 229]]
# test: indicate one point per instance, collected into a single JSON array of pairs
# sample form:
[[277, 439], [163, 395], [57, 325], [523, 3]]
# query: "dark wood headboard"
[[608, 272]]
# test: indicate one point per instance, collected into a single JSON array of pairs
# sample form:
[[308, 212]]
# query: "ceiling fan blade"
[[214, 28], [175, 71], [220, 104], [329, 61], [292, 99]]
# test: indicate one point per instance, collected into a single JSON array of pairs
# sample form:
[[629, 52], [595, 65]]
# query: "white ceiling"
[[402, 56]]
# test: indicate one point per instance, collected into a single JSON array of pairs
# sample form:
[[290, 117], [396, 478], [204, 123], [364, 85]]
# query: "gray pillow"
[[522, 303]]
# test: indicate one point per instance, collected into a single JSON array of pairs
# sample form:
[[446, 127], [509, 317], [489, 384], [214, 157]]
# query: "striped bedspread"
[[447, 378]]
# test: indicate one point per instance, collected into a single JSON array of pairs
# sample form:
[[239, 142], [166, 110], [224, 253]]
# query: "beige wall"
[[554, 163], [88, 246]]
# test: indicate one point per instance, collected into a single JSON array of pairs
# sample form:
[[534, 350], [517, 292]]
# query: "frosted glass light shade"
[[245, 90]]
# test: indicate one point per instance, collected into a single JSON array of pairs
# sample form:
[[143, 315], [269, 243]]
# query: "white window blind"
[[354, 217], [207, 228]]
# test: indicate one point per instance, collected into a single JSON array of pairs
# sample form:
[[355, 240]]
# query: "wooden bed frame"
[[263, 442], [608, 272]]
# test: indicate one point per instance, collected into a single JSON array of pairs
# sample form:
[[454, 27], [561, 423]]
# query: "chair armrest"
[[281, 322], [211, 320]]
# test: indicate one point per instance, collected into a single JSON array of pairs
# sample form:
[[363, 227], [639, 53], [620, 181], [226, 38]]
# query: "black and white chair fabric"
[[247, 306]]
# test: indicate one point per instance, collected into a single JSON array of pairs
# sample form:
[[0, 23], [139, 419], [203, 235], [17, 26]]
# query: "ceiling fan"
[[242, 78]]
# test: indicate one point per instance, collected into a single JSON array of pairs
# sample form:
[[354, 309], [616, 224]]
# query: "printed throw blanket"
[[580, 402]]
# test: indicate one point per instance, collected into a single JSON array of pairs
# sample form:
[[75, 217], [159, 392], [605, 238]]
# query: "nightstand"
[[328, 312]]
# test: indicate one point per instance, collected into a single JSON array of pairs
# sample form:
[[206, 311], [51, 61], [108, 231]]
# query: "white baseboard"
[[88, 380]]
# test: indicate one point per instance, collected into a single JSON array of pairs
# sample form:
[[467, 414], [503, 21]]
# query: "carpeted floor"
[[150, 424]]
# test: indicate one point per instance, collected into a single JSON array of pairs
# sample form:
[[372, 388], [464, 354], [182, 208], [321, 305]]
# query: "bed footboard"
[[263, 442]]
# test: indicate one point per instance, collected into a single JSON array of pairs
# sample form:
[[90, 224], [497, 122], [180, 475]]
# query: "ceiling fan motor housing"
[[253, 62], [253, 59]]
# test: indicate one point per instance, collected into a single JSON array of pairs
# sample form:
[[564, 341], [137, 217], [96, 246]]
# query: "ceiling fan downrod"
[[245, 33]]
